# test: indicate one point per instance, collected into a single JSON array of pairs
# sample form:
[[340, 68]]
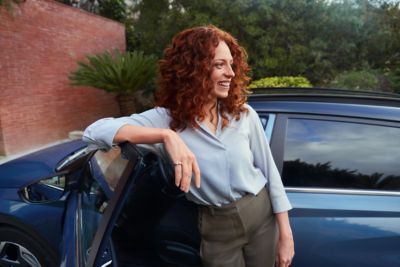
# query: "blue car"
[[337, 152], [32, 204]]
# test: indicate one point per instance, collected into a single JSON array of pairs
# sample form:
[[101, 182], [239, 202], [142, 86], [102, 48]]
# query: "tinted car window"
[[336, 154], [107, 168]]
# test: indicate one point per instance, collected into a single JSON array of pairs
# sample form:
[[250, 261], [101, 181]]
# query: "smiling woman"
[[212, 135]]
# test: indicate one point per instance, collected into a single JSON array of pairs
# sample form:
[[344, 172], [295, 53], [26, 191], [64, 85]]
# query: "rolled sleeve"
[[264, 161], [102, 132]]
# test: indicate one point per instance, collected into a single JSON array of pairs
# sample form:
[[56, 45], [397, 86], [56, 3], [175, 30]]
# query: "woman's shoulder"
[[250, 112], [247, 115], [156, 111], [247, 106]]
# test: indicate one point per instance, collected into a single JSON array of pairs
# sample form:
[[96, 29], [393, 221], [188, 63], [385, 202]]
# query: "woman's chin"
[[222, 93]]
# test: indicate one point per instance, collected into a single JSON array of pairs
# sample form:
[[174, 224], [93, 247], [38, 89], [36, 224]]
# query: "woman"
[[210, 132]]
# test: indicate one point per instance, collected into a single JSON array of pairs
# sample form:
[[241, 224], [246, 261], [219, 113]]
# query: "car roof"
[[363, 104]]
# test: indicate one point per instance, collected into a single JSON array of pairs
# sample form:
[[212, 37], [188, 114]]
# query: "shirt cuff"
[[280, 204]]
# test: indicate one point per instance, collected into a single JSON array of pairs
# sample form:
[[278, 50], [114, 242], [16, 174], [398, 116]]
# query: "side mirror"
[[44, 190]]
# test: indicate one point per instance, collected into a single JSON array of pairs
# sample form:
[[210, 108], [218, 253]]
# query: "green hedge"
[[284, 81], [356, 80]]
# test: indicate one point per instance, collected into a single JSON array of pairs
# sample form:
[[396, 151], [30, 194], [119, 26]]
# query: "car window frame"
[[267, 121]]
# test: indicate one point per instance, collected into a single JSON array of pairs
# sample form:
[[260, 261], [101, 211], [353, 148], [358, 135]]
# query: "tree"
[[317, 39]]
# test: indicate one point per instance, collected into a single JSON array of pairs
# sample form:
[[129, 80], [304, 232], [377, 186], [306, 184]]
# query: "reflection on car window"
[[107, 168], [110, 166], [334, 154], [45, 190]]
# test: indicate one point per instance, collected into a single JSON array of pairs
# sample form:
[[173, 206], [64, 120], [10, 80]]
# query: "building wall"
[[40, 43]]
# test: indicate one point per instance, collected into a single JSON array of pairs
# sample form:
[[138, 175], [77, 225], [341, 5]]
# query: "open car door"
[[126, 211]]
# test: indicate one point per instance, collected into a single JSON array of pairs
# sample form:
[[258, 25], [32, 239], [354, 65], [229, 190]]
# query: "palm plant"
[[128, 74]]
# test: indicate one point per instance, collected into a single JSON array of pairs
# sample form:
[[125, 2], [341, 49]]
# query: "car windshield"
[[107, 168]]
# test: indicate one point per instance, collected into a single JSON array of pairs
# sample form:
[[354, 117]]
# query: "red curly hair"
[[185, 77]]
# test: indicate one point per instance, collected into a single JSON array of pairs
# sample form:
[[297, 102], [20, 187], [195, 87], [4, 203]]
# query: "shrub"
[[356, 80], [284, 81], [394, 79]]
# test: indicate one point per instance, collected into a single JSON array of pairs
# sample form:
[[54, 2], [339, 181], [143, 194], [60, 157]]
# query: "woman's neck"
[[211, 116]]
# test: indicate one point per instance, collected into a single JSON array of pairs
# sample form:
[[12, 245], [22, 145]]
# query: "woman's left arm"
[[285, 248], [280, 203]]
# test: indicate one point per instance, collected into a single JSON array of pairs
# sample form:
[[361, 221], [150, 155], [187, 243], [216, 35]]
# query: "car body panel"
[[42, 220], [360, 230], [21, 171], [335, 226]]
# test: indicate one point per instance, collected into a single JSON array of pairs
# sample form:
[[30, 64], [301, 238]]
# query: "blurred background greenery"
[[349, 44]]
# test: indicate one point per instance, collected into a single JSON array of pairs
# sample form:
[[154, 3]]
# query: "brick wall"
[[40, 42]]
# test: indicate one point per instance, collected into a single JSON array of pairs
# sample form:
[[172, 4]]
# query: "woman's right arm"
[[105, 132]]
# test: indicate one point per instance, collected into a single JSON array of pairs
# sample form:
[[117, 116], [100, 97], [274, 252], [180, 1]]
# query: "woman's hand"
[[285, 248], [184, 160]]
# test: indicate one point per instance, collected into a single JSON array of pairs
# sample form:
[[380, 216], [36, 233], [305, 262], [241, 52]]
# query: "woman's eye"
[[219, 65]]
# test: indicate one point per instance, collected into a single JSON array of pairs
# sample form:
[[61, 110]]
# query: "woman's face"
[[222, 72]]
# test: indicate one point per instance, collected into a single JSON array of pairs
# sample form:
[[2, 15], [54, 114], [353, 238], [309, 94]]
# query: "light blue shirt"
[[234, 161]]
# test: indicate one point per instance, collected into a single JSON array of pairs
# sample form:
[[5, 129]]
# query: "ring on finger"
[[178, 163]]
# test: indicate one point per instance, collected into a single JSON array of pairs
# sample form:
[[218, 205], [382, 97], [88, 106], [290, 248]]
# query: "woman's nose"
[[229, 71]]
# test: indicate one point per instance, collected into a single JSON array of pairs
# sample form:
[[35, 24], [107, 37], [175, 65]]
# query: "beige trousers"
[[240, 234]]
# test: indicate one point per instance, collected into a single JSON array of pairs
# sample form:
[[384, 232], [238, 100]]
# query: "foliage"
[[317, 39], [149, 31], [285, 81], [394, 79], [113, 9], [356, 80], [117, 72], [314, 39]]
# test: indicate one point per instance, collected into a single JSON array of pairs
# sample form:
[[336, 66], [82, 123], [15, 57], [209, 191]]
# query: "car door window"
[[106, 168], [339, 154]]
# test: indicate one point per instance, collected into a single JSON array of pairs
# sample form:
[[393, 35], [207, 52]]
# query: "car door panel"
[[354, 228], [360, 226]]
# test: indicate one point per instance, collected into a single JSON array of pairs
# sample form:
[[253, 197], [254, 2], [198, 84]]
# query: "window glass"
[[264, 120], [110, 166], [45, 190], [334, 154], [107, 168]]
